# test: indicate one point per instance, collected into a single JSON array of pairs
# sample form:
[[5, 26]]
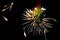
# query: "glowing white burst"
[[37, 22], [43, 8]]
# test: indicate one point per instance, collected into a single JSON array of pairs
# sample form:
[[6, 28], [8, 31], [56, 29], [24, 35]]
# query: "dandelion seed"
[[5, 18], [4, 9], [5, 6], [11, 6], [24, 34]]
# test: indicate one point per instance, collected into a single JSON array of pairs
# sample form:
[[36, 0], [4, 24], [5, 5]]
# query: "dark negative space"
[[13, 28]]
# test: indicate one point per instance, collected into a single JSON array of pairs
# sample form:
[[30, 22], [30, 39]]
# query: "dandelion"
[[37, 22]]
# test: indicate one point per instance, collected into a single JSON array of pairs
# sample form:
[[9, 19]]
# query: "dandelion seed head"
[[37, 24]]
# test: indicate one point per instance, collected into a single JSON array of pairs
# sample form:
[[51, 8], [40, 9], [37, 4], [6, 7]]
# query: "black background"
[[13, 29]]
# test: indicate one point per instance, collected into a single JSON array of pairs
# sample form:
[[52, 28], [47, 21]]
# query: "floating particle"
[[43, 8], [5, 18], [7, 7], [24, 34], [11, 6], [4, 9]]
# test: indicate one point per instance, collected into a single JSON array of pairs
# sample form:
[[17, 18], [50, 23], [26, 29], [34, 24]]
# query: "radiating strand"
[[26, 23], [45, 36], [29, 27]]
